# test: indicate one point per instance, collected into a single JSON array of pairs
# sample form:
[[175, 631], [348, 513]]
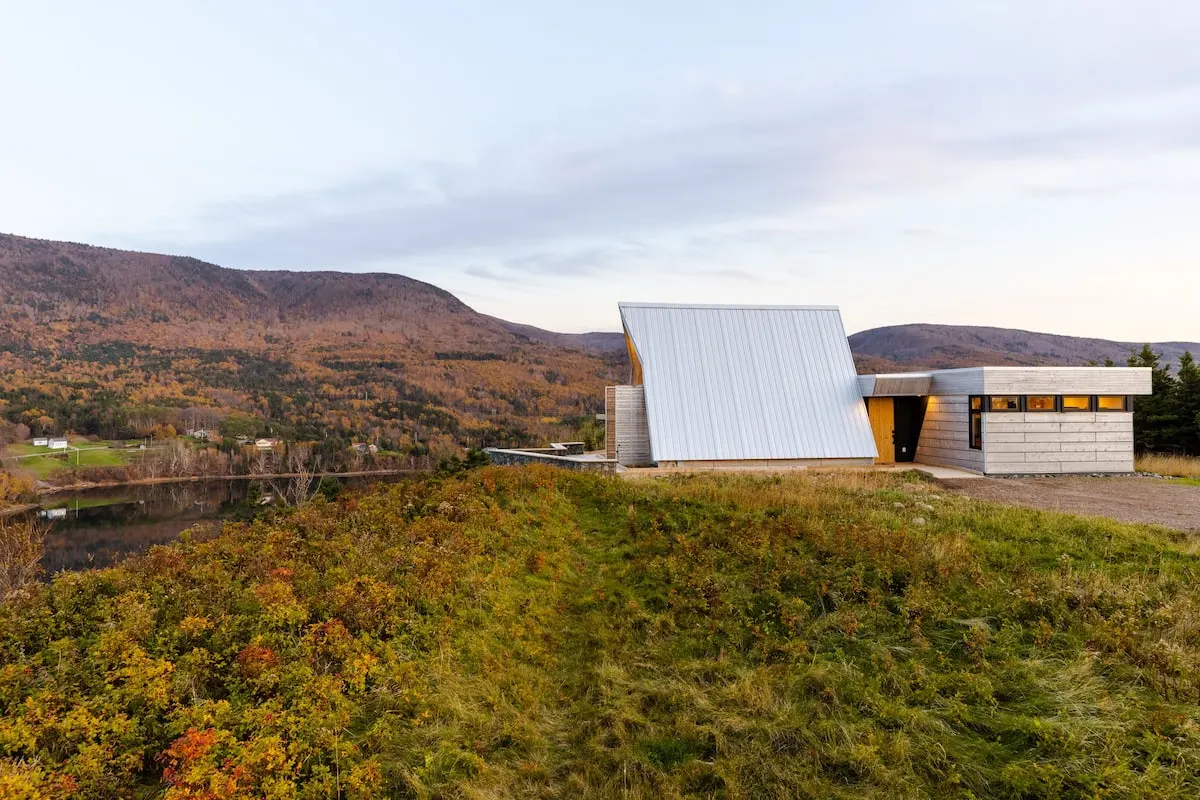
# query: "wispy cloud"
[[752, 162]]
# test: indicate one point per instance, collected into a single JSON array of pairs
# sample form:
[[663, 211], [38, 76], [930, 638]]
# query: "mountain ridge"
[[932, 346]]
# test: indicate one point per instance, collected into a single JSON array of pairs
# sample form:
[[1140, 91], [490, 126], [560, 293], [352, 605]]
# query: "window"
[[1107, 402], [1004, 402], [1040, 402], [975, 417], [1076, 402]]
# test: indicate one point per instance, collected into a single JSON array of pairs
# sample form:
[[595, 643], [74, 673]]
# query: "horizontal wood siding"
[[1066, 380], [626, 430], [1057, 443], [945, 435]]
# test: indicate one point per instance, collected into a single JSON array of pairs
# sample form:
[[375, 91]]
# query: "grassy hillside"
[[530, 633]]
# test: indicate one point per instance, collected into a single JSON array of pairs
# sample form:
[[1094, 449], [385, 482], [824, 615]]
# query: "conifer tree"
[[1189, 404], [1156, 418]]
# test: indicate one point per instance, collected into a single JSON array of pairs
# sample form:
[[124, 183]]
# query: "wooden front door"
[[882, 411]]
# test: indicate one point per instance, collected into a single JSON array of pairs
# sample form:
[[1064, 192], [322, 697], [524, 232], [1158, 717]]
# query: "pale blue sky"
[[1023, 164]]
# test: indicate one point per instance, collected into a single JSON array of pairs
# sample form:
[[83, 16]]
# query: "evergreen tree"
[[1157, 418], [1189, 404]]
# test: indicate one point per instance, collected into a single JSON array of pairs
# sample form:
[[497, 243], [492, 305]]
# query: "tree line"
[[1169, 419]]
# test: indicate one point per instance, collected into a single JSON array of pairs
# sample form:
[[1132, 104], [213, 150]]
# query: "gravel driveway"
[[1128, 499]]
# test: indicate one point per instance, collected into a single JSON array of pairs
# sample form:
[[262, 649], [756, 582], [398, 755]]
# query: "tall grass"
[[1179, 466], [21, 542], [532, 633]]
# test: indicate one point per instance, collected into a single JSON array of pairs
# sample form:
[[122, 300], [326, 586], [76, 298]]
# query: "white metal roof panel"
[[748, 382]]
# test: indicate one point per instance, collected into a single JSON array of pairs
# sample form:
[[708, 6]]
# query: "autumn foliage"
[[532, 633]]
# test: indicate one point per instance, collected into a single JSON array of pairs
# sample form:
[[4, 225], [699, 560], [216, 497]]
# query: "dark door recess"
[[910, 415]]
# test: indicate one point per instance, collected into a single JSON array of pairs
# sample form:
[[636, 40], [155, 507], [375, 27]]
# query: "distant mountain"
[[374, 356], [922, 346], [594, 341]]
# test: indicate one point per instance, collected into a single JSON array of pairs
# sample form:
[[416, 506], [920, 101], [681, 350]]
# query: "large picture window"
[[975, 416]]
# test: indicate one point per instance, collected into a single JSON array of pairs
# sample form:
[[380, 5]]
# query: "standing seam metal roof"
[[748, 382]]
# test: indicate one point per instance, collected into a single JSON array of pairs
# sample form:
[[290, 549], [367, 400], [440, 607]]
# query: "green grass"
[[42, 462], [533, 633]]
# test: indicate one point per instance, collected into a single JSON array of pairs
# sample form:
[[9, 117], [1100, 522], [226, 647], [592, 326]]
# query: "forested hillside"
[[922, 346], [113, 343]]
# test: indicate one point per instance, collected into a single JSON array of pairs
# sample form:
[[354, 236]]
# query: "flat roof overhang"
[[901, 384]]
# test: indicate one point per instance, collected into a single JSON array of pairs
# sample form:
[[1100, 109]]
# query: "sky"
[[1018, 164]]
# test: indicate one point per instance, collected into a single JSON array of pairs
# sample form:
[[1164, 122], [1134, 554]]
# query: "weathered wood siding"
[[1036, 443], [945, 435], [626, 432], [1066, 380]]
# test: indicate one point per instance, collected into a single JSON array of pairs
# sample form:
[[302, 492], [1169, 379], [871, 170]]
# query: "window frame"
[[974, 416], [1091, 404], [1055, 402], [1124, 409], [987, 402]]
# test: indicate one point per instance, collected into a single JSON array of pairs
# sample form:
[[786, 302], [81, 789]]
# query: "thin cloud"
[[749, 163]]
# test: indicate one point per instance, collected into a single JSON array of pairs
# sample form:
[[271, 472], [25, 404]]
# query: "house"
[[41, 441], [200, 434], [1008, 420], [265, 444], [775, 386], [362, 448], [737, 386], [57, 444]]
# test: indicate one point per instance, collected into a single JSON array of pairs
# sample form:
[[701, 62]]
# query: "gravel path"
[[1128, 499]]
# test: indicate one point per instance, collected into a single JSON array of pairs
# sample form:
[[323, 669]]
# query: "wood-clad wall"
[[945, 435], [626, 430], [1049, 442]]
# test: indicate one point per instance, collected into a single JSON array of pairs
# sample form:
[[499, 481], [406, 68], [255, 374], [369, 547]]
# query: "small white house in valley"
[[41, 441], [57, 444], [775, 386]]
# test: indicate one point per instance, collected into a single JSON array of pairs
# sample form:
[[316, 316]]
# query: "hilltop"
[[922, 346], [539, 633], [377, 356]]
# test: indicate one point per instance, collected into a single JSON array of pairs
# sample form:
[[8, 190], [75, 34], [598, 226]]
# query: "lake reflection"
[[94, 529], [98, 528]]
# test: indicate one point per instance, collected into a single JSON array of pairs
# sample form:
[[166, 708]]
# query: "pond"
[[99, 527]]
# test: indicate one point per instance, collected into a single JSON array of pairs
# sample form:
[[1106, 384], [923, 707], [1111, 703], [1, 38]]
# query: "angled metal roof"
[[748, 382]]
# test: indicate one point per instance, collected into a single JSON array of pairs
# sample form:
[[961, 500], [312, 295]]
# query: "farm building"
[[57, 444], [41, 441], [775, 386]]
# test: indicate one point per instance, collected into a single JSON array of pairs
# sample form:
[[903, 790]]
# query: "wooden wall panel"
[[882, 412]]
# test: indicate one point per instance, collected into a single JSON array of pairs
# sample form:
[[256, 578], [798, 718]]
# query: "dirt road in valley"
[[1128, 499]]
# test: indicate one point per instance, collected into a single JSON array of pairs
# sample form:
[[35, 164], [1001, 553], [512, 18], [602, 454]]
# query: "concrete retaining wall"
[[519, 457]]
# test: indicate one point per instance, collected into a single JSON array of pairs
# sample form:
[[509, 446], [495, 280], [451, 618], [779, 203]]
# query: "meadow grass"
[[1179, 466], [42, 462], [538, 633]]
